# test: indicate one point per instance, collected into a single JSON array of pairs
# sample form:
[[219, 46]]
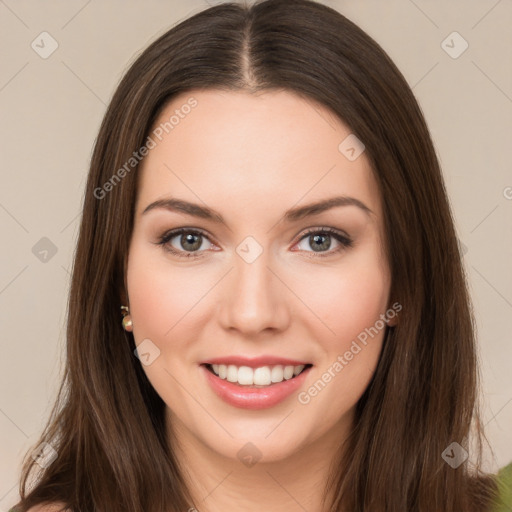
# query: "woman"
[[265, 206]]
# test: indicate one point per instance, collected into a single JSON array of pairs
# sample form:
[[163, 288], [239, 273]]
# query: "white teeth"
[[262, 376], [277, 373], [288, 372], [298, 369], [232, 373], [245, 376]]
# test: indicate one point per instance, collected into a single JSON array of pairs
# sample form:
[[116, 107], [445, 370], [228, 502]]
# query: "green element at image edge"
[[504, 503]]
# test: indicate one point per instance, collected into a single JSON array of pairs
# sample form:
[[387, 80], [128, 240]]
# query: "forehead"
[[239, 150]]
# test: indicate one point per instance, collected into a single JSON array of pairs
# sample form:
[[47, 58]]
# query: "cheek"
[[149, 306], [347, 300], [161, 304], [362, 298], [160, 296], [352, 306], [350, 302]]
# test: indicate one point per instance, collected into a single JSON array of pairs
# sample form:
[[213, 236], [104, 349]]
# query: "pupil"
[[185, 239], [318, 243]]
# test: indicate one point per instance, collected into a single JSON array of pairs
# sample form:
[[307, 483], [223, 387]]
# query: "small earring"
[[127, 320]]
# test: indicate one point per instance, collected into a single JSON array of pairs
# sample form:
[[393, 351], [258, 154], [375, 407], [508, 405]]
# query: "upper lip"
[[255, 362]]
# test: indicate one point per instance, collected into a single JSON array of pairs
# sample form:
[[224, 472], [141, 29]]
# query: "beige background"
[[51, 110]]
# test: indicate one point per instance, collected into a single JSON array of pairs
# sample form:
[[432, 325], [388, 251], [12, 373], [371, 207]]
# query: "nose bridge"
[[254, 300]]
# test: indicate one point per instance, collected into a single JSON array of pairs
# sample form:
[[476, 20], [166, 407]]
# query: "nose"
[[253, 298]]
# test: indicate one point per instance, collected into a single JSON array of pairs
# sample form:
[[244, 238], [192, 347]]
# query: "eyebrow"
[[294, 214]]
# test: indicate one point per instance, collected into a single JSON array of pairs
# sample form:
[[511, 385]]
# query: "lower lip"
[[246, 397]]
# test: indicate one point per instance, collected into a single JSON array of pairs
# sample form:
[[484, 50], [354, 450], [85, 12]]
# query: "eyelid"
[[322, 229], [341, 237], [167, 236]]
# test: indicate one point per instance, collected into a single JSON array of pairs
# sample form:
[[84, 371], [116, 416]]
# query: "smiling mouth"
[[260, 377]]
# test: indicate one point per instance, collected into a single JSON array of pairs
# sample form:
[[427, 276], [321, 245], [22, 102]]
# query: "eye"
[[189, 243], [183, 242], [320, 239]]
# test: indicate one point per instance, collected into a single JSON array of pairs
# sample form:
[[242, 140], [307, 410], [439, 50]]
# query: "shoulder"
[[504, 481]]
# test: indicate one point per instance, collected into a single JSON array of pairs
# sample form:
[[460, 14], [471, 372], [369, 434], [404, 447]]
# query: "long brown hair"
[[108, 427]]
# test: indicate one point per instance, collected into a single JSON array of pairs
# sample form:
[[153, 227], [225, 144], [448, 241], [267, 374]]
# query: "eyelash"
[[344, 240]]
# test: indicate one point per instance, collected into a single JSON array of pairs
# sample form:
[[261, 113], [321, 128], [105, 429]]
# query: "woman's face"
[[255, 283]]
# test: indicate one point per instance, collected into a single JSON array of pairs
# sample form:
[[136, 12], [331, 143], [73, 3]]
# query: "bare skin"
[[251, 158]]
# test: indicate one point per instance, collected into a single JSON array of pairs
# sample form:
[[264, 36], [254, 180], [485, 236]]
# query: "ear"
[[393, 319]]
